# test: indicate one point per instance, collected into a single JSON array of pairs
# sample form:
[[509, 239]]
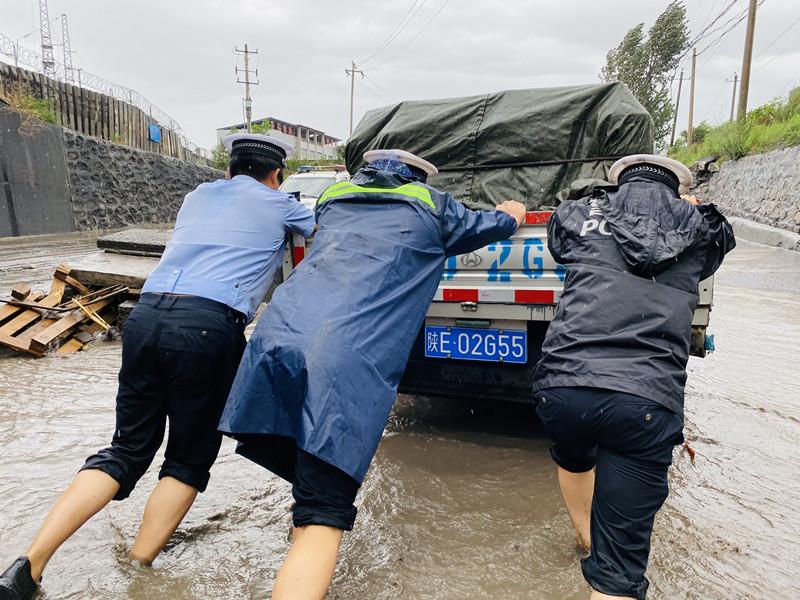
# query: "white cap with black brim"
[[402, 156], [678, 170], [256, 143]]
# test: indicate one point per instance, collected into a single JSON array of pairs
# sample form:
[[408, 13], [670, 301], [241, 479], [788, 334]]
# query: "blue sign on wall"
[[154, 132]]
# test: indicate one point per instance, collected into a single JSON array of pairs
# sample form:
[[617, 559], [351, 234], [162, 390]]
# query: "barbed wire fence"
[[25, 57]]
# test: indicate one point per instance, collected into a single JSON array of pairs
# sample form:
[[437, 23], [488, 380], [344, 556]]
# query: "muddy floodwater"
[[461, 501]]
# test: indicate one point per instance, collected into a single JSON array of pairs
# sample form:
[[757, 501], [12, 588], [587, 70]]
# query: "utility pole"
[[248, 101], [677, 107], [747, 60], [69, 73], [48, 60], [690, 130], [733, 99], [352, 74]]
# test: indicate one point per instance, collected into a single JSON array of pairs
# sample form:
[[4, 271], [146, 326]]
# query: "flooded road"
[[461, 501]]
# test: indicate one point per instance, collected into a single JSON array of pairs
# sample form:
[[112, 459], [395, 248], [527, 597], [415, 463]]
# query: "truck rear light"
[[459, 295], [534, 297], [537, 217]]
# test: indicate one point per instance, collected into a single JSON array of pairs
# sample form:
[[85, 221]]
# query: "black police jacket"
[[634, 256]]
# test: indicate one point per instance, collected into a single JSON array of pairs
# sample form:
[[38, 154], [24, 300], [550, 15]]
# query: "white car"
[[310, 182]]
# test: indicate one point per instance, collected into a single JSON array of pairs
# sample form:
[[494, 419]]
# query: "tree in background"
[[264, 127], [220, 157], [647, 64]]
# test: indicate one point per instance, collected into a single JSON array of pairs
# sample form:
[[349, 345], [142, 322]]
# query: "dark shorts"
[[179, 358], [323, 494], [629, 441]]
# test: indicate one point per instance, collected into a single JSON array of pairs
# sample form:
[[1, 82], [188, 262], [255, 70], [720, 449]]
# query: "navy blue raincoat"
[[321, 371]]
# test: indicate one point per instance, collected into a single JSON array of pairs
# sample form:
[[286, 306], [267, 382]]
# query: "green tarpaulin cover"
[[538, 146]]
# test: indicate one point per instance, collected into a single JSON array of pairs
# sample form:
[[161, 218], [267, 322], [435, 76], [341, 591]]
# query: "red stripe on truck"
[[534, 296], [538, 217], [298, 254], [460, 295]]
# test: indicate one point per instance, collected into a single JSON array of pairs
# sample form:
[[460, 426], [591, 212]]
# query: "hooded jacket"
[[634, 256]]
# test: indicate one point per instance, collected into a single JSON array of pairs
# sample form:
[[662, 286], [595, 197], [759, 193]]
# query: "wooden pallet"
[[44, 322]]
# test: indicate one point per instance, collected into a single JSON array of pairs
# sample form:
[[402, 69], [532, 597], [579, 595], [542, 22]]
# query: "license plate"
[[493, 345]]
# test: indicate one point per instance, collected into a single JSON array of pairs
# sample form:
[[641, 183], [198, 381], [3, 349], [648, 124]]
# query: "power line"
[[719, 38], [383, 91], [704, 32], [730, 24], [784, 51], [411, 41], [402, 24], [785, 31]]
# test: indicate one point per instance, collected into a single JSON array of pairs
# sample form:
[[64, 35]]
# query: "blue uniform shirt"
[[228, 242]]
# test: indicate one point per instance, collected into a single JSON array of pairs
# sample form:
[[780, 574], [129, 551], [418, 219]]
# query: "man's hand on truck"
[[513, 208]]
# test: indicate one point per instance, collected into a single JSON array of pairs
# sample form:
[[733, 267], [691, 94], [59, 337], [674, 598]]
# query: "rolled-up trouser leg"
[[323, 494], [628, 494]]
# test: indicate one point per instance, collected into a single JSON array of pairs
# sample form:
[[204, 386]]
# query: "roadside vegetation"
[[30, 107], [772, 126]]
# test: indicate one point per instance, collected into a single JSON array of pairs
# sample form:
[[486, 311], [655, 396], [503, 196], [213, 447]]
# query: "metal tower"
[[69, 74], [48, 60]]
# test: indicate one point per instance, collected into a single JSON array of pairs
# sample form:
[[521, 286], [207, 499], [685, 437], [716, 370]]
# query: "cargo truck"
[[484, 329]]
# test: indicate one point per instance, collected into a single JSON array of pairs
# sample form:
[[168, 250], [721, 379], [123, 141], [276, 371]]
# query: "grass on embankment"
[[773, 126]]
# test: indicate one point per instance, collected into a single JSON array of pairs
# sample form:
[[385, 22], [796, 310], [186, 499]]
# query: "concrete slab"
[[136, 241], [764, 234], [106, 269]]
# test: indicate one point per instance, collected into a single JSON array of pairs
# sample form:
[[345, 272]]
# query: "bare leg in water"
[[89, 492], [577, 489], [167, 506], [307, 572]]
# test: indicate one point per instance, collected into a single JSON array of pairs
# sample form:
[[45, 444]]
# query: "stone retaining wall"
[[764, 188], [113, 185], [55, 180]]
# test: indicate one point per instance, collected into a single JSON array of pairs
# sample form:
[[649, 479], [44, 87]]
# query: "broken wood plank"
[[64, 273], [14, 344], [29, 316], [83, 336], [58, 286], [8, 310], [20, 291], [85, 309], [109, 316], [71, 346], [61, 328]]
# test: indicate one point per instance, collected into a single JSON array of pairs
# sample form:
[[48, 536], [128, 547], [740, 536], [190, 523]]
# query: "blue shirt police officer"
[[320, 373], [180, 351]]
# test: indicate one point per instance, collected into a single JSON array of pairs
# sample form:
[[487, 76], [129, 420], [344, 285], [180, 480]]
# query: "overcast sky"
[[180, 53]]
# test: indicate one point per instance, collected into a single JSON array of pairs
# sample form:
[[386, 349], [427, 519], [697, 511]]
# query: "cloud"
[[179, 53]]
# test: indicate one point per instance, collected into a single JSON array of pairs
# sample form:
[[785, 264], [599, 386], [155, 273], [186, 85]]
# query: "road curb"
[[759, 233]]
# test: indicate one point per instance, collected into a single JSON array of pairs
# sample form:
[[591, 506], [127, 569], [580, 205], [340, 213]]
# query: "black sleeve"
[[555, 237], [720, 238]]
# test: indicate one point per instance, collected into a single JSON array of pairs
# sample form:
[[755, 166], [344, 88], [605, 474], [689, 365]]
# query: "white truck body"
[[510, 286]]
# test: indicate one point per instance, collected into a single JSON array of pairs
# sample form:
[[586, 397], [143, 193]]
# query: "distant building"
[[308, 143]]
